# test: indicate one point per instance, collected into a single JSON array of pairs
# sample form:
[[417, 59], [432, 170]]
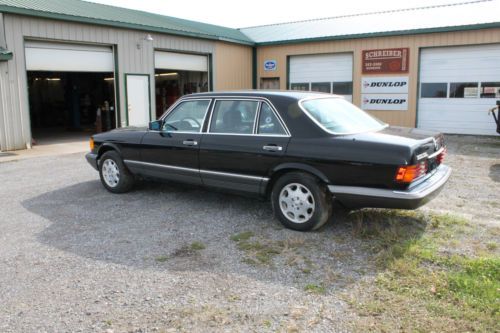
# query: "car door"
[[172, 152], [245, 139]]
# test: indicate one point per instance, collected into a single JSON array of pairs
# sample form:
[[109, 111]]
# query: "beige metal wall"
[[414, 42], [134, 55], [233, 66]]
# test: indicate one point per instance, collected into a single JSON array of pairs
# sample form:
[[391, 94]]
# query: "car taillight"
[[441, 156], [408, 173]]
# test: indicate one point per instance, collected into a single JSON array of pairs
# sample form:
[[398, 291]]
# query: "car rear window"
[[338, 116]]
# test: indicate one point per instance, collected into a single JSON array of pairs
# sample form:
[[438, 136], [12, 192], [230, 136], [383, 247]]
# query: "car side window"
[[234, 117], [188, 116], [268, 122]]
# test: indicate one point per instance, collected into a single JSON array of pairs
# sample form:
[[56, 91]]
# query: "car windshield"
[[341, 117]]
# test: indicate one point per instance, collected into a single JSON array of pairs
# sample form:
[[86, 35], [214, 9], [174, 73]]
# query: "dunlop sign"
[[393, 102], [384, 93], [385, 85]]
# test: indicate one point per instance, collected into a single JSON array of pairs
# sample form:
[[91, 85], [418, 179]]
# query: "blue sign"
[[270, 65]]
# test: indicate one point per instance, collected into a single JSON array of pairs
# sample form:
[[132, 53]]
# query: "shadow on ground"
[[495, 172], [180, 228]]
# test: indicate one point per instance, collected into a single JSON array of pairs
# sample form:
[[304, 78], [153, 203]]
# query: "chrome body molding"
[[162, 166], [234, 175], [411, 198], [200, 171]]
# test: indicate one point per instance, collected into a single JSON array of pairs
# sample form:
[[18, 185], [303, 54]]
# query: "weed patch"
[[422, 286]]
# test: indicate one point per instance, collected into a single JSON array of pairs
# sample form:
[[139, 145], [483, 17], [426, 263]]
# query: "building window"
[[299, 86], [321, 87], [433, 90], [464, 90], [490, 90], [342, 88]]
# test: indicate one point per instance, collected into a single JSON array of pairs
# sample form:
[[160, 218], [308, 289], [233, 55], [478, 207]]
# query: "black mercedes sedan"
[[301, 150]]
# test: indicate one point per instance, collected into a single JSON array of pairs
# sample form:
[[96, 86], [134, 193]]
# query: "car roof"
[[293, 94]]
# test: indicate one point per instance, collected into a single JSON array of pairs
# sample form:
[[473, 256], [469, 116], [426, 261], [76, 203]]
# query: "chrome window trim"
[[257, 116], [230, 98], [222, 97], [282, 123], [260, 99], [179, 102], [321, 125], [200, 171]]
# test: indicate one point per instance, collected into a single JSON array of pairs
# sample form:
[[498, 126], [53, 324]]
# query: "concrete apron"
[[60, 145]]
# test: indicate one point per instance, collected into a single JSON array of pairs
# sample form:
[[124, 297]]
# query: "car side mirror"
[[155, 125]]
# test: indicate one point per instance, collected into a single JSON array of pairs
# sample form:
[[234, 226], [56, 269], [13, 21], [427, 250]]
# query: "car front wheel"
[[114, 175], [301, 202]]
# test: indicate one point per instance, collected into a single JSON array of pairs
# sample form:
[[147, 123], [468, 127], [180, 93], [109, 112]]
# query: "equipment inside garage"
[[70, 101], [76, 93], [178, 74]]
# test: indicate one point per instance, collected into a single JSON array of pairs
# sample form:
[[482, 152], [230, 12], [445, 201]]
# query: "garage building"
[[446, 61], [75, 66]]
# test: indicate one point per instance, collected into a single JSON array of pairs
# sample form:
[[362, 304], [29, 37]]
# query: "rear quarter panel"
[[344, 160]]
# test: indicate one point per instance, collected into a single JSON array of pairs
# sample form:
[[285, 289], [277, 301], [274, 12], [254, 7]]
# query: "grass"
[[262, 251], [161, 258], [197, 246], [315, 288], [245, 235], [421, 284]]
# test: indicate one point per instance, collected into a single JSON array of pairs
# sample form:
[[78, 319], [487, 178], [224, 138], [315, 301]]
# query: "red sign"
[[386, 61]]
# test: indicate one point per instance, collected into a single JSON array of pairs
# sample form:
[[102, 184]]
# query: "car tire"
[[115, 176], [301, 201]]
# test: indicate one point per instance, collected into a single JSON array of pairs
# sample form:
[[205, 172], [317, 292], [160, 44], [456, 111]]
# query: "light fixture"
[[167, 74], [109, 78], [53, 79], [148, 38]]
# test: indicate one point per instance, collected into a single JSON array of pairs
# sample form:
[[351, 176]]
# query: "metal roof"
[[87, 12], [450, 17]]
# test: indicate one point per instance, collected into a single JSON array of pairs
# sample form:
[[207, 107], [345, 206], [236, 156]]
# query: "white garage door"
[[181, 61], [457, 87], [60, 57], [331, 73]]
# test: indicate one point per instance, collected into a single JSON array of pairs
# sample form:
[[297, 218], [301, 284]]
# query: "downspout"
[[254, 67]]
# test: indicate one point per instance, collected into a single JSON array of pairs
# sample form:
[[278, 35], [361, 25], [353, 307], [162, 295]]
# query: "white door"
[[62, 57], [457, 87], [138, 107], [331, 73]]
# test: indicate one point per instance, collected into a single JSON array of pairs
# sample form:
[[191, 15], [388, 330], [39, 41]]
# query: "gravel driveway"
[[168, 258]]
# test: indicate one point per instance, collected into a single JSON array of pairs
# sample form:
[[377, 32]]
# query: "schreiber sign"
[[386, 61], [392, 102]]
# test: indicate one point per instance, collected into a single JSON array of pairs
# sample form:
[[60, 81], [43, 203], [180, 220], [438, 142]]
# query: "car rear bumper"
[[92, 159], [414, 197]]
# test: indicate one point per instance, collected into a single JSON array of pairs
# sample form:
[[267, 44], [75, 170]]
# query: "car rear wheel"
[[301, 202], [114, 175]]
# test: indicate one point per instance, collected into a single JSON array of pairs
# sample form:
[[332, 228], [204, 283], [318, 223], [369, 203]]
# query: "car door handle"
[[190, 143], [272, 148]]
